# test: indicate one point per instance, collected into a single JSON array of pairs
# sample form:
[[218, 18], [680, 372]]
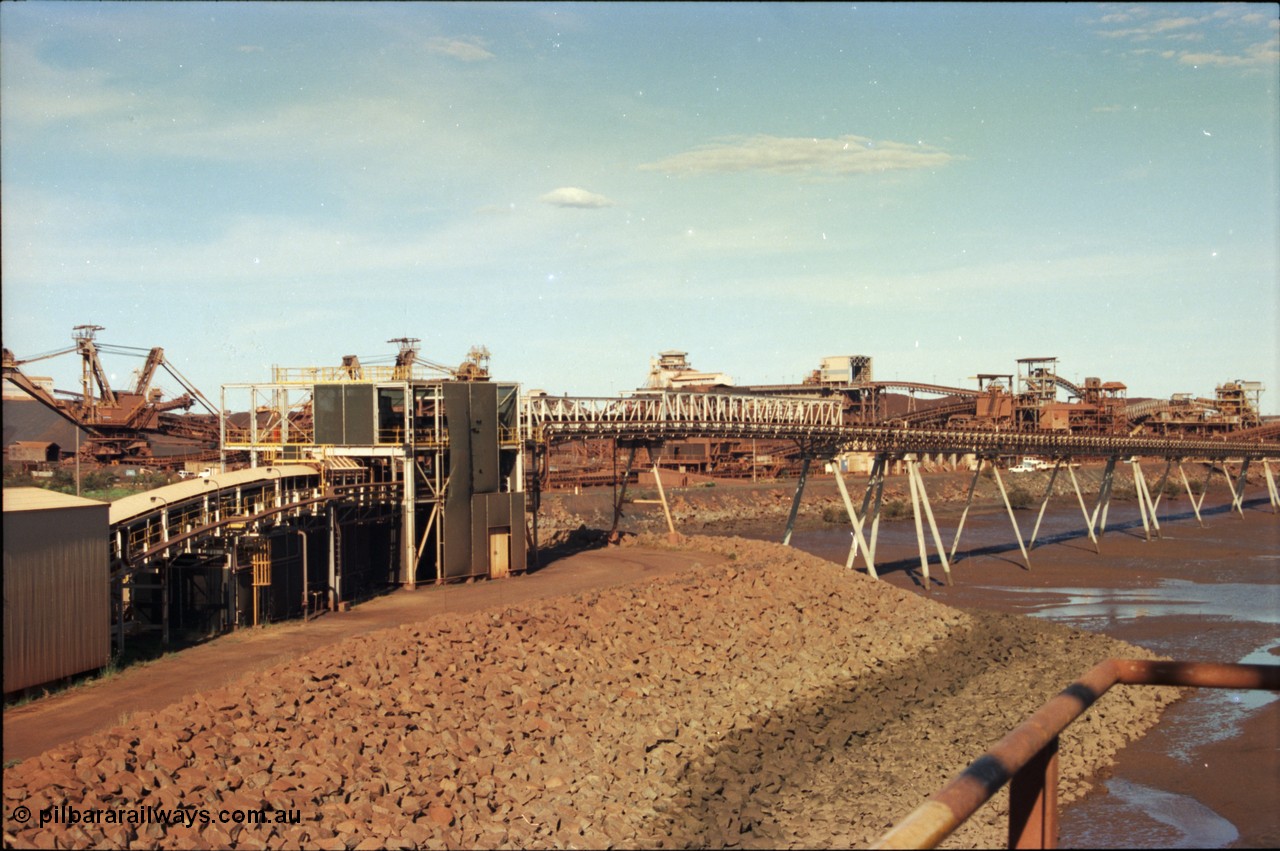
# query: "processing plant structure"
[[123, 425]]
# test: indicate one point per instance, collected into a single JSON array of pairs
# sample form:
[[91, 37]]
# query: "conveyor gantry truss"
[[818, 426]]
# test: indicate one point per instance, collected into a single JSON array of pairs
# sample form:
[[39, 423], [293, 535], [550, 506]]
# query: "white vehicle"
[[1029, 465]]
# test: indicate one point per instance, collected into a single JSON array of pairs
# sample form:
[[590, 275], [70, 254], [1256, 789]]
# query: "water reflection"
[[1155, 819], [1233, 601]]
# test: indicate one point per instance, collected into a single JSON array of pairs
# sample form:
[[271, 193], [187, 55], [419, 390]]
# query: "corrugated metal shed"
[[33, 450], [41, 499], [57, 593]]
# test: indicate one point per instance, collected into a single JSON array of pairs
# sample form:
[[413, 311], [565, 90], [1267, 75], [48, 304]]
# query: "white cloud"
[[840, 156], [1227, 24], [1166, 24], [40, 94], [1264, 55], [571, 196], [462, 49]]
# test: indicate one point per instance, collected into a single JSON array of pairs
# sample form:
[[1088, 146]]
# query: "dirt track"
[[761, 697]]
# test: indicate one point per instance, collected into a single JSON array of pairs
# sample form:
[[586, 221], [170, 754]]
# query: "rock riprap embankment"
[[771, 700]]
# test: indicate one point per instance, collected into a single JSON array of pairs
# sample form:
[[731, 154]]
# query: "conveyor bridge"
[[818, 424], [234, 542]]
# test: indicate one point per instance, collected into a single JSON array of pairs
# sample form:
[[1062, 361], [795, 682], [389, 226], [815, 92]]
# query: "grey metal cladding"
[[327, 407], [358, 416], [457, 503], [485, 475]]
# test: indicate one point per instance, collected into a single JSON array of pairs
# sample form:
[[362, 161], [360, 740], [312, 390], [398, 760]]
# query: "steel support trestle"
[[968, 501], [795, 501], [858, 539], [1044, 503], [1016, 531]]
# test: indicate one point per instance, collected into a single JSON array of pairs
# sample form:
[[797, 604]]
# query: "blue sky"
[[946, 188]]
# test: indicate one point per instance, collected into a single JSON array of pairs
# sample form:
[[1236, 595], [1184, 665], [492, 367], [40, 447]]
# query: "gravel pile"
[[773, 701]]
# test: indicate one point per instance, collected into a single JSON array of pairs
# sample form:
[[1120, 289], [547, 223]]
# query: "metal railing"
[[661, 411], [1027, 758], [369, 374]]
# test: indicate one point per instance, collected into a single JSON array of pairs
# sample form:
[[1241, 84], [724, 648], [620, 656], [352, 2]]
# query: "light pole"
[[164, 516], [277, 498], [217, 503]]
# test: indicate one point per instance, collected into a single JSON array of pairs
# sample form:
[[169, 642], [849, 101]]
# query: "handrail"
[[1027, 758]]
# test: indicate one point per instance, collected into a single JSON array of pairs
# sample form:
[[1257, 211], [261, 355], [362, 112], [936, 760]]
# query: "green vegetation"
[[1124, 493], [895, 509], [105, 484], [1020, 497]]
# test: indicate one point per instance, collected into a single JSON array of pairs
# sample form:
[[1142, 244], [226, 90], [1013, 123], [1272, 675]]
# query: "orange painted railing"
[[1027, 758]]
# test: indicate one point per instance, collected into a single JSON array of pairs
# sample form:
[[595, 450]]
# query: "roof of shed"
[[39, 499]]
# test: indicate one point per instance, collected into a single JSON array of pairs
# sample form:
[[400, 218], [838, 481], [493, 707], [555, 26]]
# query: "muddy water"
[[1209, 776]]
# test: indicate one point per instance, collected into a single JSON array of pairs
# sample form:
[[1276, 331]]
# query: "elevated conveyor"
[[817, 422]]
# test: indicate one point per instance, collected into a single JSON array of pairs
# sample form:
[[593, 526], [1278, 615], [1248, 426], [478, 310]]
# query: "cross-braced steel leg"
[[1152, 503], [915, 512], [1195, 504], [914, 468], [1017, 533], [1106, 505], [1140, 489], [1164, 480], [1231, 486], [1209, 477], [1088, 523], [1272, 493], [1104, 498], [1048, 492], [968, 501], [877, 468], [662, 495], [621, 492], [1237, 490], [795, 501], [858, 540], [882, 461]]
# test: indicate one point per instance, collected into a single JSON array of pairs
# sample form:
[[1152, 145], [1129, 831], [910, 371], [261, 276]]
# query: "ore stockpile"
[[766, 698]]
